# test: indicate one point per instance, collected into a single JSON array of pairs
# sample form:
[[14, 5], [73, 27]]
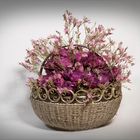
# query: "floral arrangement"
[[83, 57]]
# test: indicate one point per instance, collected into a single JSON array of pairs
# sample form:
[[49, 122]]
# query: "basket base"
[[73, 117], [64, 129]]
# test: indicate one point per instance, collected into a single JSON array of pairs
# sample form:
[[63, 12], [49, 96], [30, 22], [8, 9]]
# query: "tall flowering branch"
[[41, 49], [97, 39]]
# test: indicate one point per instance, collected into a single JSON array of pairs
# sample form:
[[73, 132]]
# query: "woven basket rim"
[[75, 103], [96, 95]]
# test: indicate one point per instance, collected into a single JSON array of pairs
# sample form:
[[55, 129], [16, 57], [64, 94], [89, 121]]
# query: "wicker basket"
[[76, 112], [75, 116]]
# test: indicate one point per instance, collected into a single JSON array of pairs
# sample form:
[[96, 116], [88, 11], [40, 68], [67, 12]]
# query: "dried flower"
[[75, 64]]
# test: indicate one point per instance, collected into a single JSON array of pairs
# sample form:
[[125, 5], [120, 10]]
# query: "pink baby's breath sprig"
[[83, 56]]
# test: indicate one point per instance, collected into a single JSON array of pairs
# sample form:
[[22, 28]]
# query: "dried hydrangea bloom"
[[76, 69]]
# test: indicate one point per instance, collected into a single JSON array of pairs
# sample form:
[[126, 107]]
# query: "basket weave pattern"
[[76, 116]]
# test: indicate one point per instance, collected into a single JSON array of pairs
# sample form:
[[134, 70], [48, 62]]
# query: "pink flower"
[[86, 20], [70, 66], [78, 23], [116, 71], [27, 66], [58, 80], [79, 66], [66, 62], [42, 80], [66, 30], [104, 79]]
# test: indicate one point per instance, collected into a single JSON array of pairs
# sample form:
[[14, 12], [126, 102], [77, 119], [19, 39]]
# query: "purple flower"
[[95, 60], [71, 69], [103, 79], [64, 52], [76, 76], [69, 85], [42, 80], [100, 62], [49, 66], [79, 66], [78, 56], [91, 80], [58, 80], [65, 61], [67, 74], [116, 71], [105, 75]]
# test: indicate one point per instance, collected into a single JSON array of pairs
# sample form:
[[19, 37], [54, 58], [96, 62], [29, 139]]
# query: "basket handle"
[[42, 65]]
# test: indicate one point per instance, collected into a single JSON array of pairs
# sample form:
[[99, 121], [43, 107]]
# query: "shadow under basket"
[[76, 116]]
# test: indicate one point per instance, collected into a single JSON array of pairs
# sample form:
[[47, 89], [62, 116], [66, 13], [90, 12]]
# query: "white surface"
[[22, 22]]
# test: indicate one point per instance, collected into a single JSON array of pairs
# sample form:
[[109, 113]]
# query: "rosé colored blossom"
[[28, 67], [69, 85], [42, 80], [93, 60], [66, 62], [82, 72], [80, 55], [116, 71], [91, 80], [76, 76], [66, 30], [58, 80], [64, 52], [103, 79], [79, 66]]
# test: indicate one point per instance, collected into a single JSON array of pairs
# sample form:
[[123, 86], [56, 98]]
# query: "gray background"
[[21, 21]]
